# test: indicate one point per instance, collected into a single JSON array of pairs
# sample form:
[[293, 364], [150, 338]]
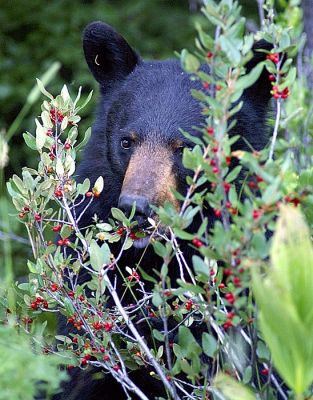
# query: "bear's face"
[[137, 141]]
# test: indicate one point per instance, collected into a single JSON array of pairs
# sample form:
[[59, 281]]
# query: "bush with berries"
[[250, 282]]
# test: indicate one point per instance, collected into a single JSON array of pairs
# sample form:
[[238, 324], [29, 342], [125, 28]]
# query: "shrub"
[[215, 291]]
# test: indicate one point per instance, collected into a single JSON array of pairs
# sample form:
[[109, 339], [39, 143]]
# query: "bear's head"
[[137, 140]]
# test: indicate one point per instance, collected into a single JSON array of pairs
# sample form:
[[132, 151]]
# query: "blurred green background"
[[33, 35]]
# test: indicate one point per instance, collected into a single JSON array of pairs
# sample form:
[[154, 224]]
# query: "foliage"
[[246, 189], [42, 374], [291, 280]]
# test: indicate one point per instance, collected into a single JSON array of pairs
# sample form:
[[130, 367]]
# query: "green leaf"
[[249, 79], [157, 299], [99, 256], [66, 231], [158, 335], [232, 389], [233, 174], [98, 186], [43, 89], [190, 63], [82, 188], [200, 267], [30, 140], [85, 140], [209, 344], [41, 135], [160, 249], [69, 306], [183, 234], [118, 214], [290, 278]]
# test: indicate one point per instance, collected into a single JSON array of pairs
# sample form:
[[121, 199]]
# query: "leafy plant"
[[245, 188]]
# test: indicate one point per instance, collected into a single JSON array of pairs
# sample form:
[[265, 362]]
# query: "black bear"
[[136, 145]]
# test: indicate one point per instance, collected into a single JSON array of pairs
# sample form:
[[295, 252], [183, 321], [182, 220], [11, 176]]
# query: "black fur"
[[153, 99]]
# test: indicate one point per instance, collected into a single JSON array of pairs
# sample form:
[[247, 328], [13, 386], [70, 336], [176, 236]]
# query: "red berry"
[[89, 194], [71, 294], [210, 130], [218, 87], [57, 228], [106, 358], [274, 57], [54, 287], [215, 170], [228, 324], [26, 209], [217, 212], [228, 160], [56, 115], [21, 215], [34, 305], [197, 243], [205, 85], [60, 242], [52, 156], [67, 146], [116, 367], [66, 242], [82, 298], [237, 281], [252, 185], [75, 340], [108, 326], [188, 305], [37, 217], [227, 186], [256, 214], [227, 272], [230, 298], [133, 276], [209, 54], [234, 211], [97, 325], [272, 77], [265, 371], [221, 285], [58, 193], [133, 236], [228, 204], [120, 231]]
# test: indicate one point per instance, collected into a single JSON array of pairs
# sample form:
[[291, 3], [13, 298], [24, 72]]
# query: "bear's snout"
[[142, 207]]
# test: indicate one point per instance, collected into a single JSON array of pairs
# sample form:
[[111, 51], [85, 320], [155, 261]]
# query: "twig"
[[139, 339], [275, 132]]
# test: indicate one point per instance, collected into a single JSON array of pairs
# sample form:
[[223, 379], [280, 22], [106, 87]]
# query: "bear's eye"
[[126, 143]]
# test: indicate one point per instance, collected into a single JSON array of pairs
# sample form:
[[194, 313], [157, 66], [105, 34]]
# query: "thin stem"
[[275, 132], [261, 12], [139, 339]]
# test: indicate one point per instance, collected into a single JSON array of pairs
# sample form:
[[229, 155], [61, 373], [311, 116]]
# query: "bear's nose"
[[142, 205]]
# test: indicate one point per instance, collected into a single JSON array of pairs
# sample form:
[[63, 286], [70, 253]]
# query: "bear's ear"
[[261, 89], [108, 55]]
